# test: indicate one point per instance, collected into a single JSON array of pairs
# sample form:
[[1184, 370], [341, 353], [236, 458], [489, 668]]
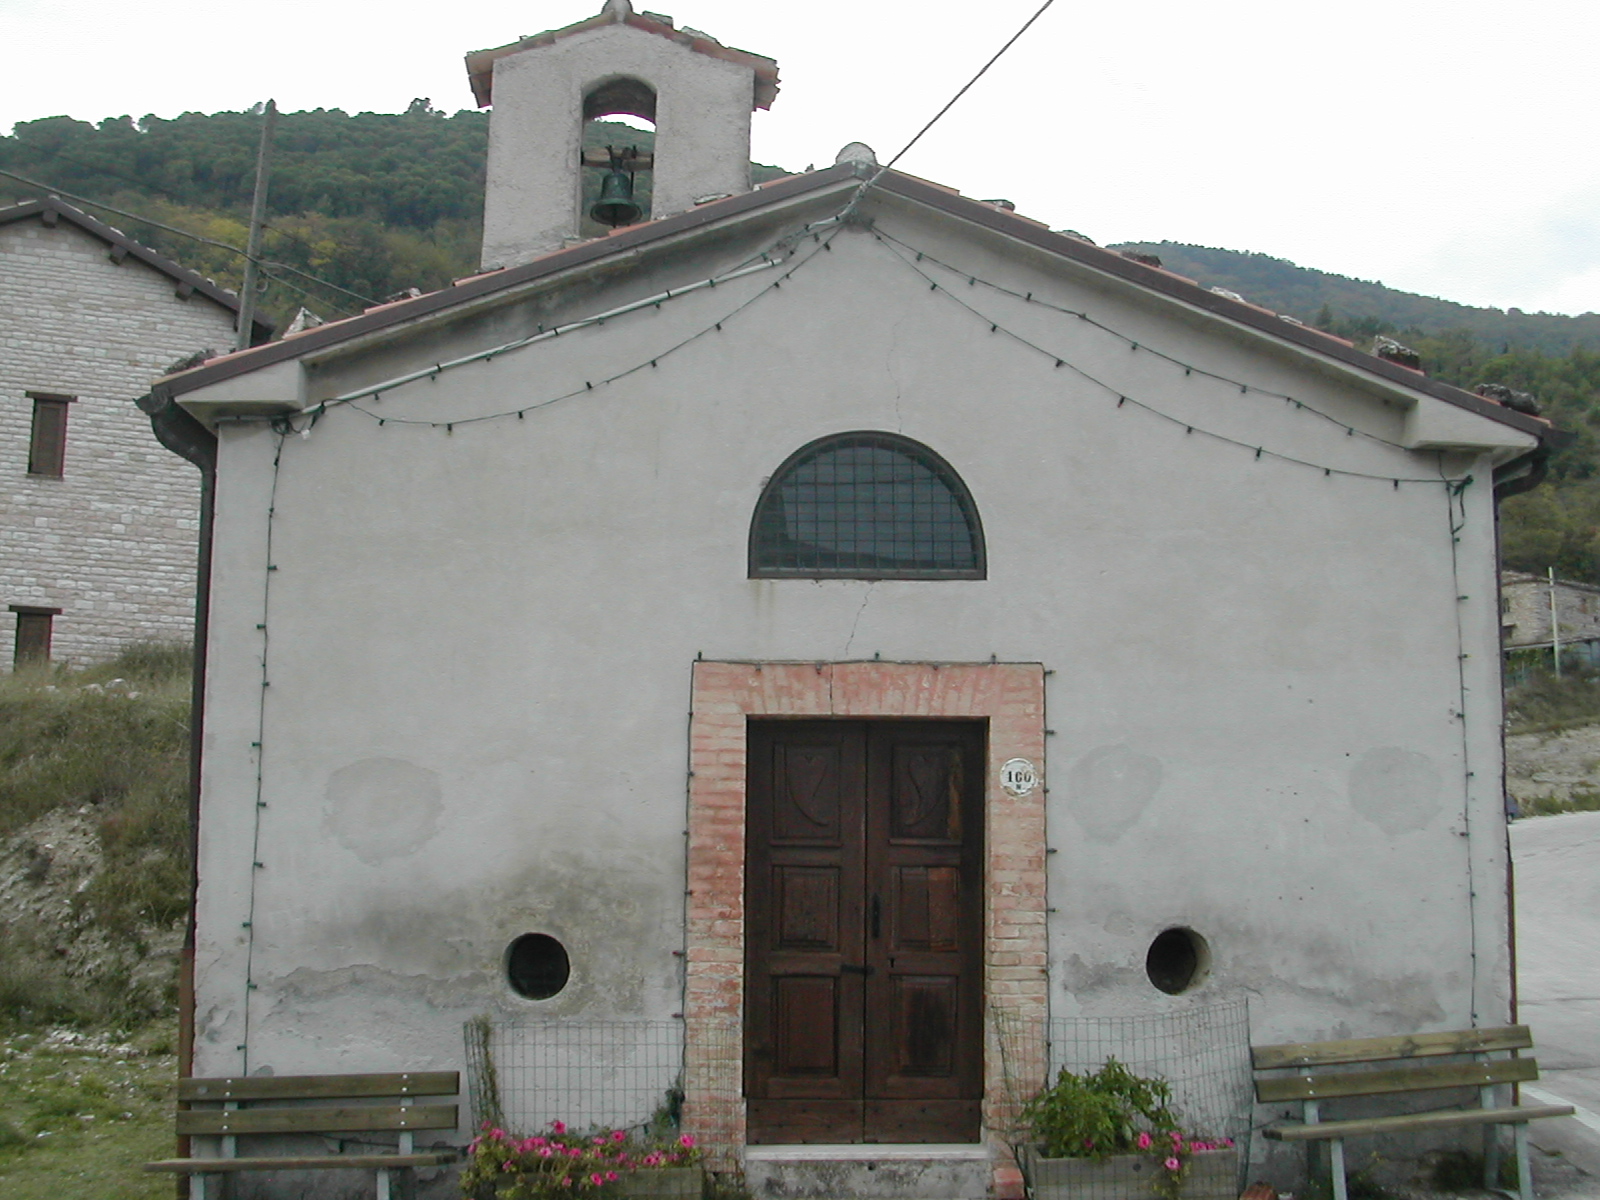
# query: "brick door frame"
[[724, 696]]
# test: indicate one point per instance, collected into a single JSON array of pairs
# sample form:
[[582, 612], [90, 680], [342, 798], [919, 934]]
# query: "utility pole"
[[258, 214], [1555, 628]]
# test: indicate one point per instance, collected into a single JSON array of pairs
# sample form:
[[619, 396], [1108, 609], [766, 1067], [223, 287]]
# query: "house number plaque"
[[1018, 776]]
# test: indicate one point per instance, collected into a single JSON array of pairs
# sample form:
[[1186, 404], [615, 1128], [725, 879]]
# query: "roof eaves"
[[116, 238], [476, 287], [480, 63], [1188, 292]]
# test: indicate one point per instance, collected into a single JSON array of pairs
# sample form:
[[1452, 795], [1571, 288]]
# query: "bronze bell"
[[615, 206]]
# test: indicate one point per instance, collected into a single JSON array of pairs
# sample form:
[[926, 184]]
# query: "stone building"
[[1528, 603], [845, 622], [98, 522]]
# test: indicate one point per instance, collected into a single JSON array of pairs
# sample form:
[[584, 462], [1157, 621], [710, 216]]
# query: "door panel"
[[864, 930]]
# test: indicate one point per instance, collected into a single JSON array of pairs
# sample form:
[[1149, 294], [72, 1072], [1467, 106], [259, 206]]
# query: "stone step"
[[868, 1172]]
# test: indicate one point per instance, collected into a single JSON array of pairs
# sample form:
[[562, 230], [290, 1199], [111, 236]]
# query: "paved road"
[[1558, 969]]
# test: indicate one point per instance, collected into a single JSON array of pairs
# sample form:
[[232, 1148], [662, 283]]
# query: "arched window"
[[866, 506]]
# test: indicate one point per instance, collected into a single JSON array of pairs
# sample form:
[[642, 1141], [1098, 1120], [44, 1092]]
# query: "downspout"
[[184, 436], [1520, 475]]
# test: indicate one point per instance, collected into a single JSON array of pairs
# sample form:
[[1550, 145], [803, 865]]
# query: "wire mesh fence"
[[523, 1075], [1202, 1053]]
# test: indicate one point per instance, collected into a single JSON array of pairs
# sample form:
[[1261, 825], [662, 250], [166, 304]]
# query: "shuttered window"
[[34, 627], [47, 449]]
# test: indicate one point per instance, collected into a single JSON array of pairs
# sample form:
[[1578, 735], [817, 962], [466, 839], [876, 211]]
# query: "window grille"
[[866, 506]]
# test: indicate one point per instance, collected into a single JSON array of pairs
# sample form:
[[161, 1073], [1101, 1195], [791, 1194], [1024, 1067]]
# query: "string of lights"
[[1455, 503], [1189, 369], [1123, 399], [822, 242], [259, 748]]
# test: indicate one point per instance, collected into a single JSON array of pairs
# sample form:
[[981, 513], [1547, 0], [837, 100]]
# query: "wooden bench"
[[1294, 1071], [272, 1105]]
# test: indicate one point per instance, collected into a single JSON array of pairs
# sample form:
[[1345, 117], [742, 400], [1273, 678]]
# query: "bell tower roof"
[[480, 63]]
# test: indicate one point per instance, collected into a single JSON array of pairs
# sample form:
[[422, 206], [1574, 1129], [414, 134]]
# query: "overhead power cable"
[[146, 186], [948, 105], [48, 190]]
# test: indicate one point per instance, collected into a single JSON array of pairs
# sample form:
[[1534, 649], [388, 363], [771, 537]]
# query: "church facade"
[[844, 619]]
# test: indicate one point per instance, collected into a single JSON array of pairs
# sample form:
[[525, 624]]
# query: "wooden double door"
[[863, 931]]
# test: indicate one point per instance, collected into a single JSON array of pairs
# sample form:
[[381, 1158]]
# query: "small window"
[[1178, 959], [537, 966], [47, 449], [866, 506], [34, 627]]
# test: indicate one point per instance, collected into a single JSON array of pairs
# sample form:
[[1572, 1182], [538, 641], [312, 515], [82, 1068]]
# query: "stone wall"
[[112, 542]]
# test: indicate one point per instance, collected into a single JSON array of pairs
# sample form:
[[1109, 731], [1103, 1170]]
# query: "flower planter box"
[[1212, 1175], [655, 1183], [661, 1183]]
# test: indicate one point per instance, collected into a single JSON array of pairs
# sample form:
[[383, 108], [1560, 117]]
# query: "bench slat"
[[321, 1087], [1324, 1085], [1417, 1121], [204, 1166], [1411, 1045], [353, 1119]]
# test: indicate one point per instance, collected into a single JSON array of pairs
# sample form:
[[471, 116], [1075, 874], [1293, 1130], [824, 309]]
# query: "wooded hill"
[[375, 203]]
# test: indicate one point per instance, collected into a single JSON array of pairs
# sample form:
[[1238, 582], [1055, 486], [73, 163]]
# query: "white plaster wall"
[[480, 645], [112, 542], [532, 192]]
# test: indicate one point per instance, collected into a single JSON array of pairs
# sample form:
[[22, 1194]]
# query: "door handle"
[[877, 917], [853, 969]]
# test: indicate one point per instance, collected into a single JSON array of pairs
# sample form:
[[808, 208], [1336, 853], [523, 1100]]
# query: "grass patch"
[[114, 737], [79, 1115], [1543, 702], [1549, 806], [109, 745]]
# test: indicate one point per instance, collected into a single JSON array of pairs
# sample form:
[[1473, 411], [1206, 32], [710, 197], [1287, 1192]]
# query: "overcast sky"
[[1441, 146]]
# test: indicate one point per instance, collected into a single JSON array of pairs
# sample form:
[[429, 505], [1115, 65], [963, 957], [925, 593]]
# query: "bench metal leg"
[[1491, 1143], [383, 1183], [1524, 1174], [1336, 1163]]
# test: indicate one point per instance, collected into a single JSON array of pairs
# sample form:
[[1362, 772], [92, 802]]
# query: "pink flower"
[[611, 1176], [1196, 1147], [597, 1179], [1177, 1138], [617, 1135], [1172, 1164], [558, 1127], [1227, 1143], [497, 1134], [536, 1141], [472, 1146], [1144, 1141], [599, 1141], [545, 1152], [566, 1181], [687, 1140], [651, 1159]]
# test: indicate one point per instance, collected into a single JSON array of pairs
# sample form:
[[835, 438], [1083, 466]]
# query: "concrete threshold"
[[869, 1171], [870, 1151]]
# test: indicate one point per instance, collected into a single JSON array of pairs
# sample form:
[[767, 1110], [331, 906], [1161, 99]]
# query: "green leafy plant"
[[1100, 1114], [562, 1163], [1113, 1111]]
